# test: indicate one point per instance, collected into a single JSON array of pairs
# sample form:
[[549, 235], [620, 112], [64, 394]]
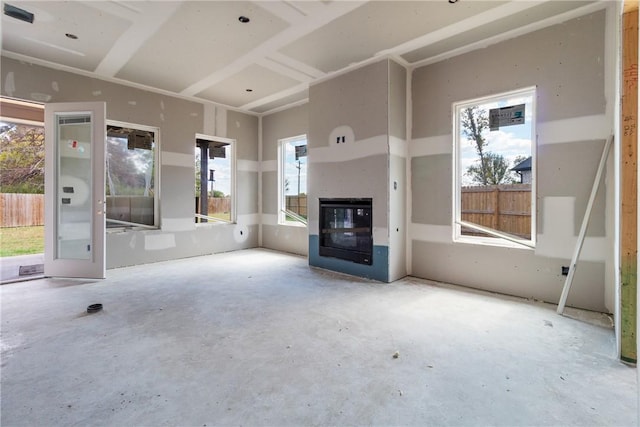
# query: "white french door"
[[75, 135]]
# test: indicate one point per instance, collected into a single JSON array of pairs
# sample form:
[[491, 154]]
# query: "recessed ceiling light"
[[249, 90], [71, 36], [243, 19]]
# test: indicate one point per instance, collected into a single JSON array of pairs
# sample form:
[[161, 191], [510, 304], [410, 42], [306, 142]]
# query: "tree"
[[491, 168], [21, 159], [497, 171]]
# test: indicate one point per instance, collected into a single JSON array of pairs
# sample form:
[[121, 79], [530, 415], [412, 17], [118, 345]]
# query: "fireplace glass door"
[[345, 229]]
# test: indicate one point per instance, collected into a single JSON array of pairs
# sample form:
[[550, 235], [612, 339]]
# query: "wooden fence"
[[297, 204], [505, 208], [21, 210], [216, 205]]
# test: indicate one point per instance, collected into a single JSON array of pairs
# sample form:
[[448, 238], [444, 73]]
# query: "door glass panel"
[[73, 186]]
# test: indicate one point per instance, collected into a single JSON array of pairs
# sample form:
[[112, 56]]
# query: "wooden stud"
[[629, 183]]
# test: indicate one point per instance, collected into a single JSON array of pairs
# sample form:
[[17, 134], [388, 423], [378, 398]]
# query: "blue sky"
[[510, 141]]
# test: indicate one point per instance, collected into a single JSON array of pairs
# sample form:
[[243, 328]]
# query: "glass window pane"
[[293, 171], [130, 170], [218, 180], [73, 188], [495, 166]]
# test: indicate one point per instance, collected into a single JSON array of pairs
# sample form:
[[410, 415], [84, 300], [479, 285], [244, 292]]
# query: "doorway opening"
[[21, 190]]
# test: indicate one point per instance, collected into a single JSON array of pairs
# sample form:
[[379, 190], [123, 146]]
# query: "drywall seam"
[[398, 147], [247, 165], [178, 224], [431, 233], [260, 169], [351, 151], [269, 219], [158, 242], [269, 166], [170, 158], [585, 128], [209, 119], [380, 236], [249, 219], [431, 145]]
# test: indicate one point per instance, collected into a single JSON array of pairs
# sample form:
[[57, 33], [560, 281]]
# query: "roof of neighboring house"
[[524, 165]]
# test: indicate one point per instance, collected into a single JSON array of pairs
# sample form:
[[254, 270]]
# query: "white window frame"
[[282, 205], [499, 239], [233, 185], [156, 176]]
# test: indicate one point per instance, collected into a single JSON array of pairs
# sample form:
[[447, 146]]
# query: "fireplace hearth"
[[346, 230]]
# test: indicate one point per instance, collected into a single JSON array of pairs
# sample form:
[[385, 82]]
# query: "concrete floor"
[[258, 338]]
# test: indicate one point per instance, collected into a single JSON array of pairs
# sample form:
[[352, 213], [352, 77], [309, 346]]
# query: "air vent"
[[17, 13]]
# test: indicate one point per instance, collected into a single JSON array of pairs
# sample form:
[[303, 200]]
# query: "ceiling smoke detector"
[[17, 13]]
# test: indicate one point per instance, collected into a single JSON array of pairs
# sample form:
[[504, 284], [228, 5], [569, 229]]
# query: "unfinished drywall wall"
[[566, 64], [397, 183], [285, 124], [354, 105], [178, 121]]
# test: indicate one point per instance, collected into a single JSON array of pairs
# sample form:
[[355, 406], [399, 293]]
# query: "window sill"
[[293, 224], [494, 242], [213, 224], [118, 230]]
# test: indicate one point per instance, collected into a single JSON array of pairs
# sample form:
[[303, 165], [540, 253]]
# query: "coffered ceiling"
[[201, 50]]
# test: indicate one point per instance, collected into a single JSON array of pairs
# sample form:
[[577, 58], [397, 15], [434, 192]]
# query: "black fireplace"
[[345, 229]]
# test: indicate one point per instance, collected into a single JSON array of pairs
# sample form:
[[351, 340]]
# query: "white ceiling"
[[200, 50]]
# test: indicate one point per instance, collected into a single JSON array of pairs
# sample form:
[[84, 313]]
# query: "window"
[[494, 164], [292, 179], [131, 175], [215, 179]]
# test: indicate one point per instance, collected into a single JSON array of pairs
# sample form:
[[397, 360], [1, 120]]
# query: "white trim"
[[456, 161]]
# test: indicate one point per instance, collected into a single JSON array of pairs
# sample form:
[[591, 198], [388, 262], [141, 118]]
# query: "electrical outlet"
[[565, 271]]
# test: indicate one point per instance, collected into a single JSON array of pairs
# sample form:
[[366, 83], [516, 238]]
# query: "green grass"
[[21, 241]]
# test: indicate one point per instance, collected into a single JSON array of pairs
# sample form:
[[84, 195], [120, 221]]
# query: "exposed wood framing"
[[629, 183]]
